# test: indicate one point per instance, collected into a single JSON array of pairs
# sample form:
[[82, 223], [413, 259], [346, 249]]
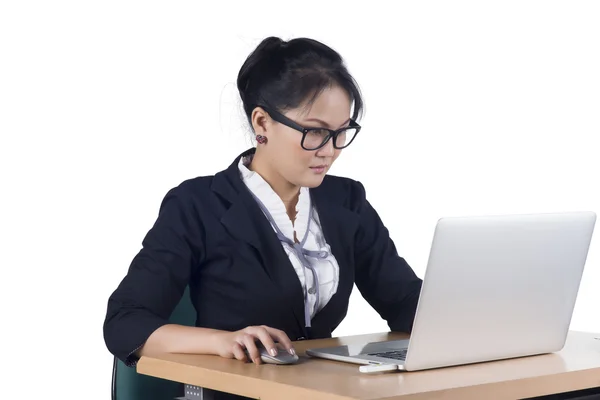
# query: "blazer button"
[[312, 290]]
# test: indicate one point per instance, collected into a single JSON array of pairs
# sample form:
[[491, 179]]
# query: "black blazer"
[[211, 235]]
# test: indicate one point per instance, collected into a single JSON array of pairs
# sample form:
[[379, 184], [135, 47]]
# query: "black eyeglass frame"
[[282, 119]]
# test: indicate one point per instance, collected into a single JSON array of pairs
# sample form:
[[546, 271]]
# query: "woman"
[[270, 247]]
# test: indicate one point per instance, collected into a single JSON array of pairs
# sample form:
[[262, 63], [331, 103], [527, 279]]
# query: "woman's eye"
[[319, 132]]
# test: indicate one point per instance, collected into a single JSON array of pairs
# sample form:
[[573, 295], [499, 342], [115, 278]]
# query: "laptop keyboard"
[[394, 354]]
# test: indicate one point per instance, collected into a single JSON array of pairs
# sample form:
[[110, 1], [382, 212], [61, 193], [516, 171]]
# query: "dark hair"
[[282, 75]]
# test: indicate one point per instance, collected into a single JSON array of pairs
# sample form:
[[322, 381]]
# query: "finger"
[[282, 338], [267, 341], [238, 352], [251, 348]]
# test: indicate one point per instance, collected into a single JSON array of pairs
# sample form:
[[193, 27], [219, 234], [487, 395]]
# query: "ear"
[[260, 121]]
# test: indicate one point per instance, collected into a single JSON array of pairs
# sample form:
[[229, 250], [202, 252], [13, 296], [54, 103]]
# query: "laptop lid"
[[499, 287]]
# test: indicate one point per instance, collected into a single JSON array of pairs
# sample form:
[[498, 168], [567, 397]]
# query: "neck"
[[287, 192]]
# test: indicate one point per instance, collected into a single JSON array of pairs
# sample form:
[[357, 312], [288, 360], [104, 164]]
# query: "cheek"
[[282, 145], [336, 154], [290, 139], [303, 159], [297, 162], [297, 156], [290, 155]]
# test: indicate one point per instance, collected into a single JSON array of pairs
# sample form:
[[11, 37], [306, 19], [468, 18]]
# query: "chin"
[[312, 182]]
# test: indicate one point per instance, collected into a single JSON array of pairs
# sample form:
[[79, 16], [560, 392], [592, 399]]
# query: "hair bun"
[[270, 45], [262, 58]]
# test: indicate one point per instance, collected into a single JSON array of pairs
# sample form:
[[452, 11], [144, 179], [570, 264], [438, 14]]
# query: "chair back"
[[127, 384]]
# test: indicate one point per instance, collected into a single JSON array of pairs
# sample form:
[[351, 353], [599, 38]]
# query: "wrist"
[[214, 341]]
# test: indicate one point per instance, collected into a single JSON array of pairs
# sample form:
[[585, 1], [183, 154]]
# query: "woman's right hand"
[[233, 344]]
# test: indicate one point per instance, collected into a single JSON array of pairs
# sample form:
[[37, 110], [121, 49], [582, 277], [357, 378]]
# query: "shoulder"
[[192, 186], [189, 192]]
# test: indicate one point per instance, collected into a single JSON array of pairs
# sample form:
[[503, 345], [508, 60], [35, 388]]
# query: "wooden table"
[[576, 367]]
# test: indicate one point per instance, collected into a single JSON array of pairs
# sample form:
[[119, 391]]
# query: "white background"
[[472, 108]]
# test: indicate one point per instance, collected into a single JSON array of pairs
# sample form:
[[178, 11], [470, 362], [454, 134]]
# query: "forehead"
[[332, 105]]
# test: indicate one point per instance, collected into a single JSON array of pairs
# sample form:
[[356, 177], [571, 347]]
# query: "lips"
[[319, 169]]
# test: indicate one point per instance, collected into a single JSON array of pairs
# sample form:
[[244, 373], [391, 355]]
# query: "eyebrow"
[[325, 123]]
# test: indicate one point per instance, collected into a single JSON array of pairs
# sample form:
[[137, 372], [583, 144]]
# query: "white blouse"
[[327, 268]]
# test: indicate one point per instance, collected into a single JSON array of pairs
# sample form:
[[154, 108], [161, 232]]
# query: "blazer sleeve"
[[157, 277], [383, 278]]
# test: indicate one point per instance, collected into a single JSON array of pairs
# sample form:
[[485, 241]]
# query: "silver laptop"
[[495, 287]]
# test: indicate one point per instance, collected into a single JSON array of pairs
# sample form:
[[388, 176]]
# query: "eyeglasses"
[[315, 138]]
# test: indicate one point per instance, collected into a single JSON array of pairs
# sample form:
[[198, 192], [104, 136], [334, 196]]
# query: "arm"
[[138, 311], [185, 339], [140, 307], [171, 338], [384, 278]]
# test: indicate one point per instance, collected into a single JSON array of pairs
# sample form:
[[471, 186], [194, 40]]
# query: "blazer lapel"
[[245, 221]]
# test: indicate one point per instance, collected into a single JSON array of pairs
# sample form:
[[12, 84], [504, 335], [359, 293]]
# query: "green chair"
[[127, 384]]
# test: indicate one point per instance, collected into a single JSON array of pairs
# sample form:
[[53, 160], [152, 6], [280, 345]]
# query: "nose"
[[327, 150]]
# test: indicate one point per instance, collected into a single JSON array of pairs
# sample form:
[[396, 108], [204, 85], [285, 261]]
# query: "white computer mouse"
[[283, 357]]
